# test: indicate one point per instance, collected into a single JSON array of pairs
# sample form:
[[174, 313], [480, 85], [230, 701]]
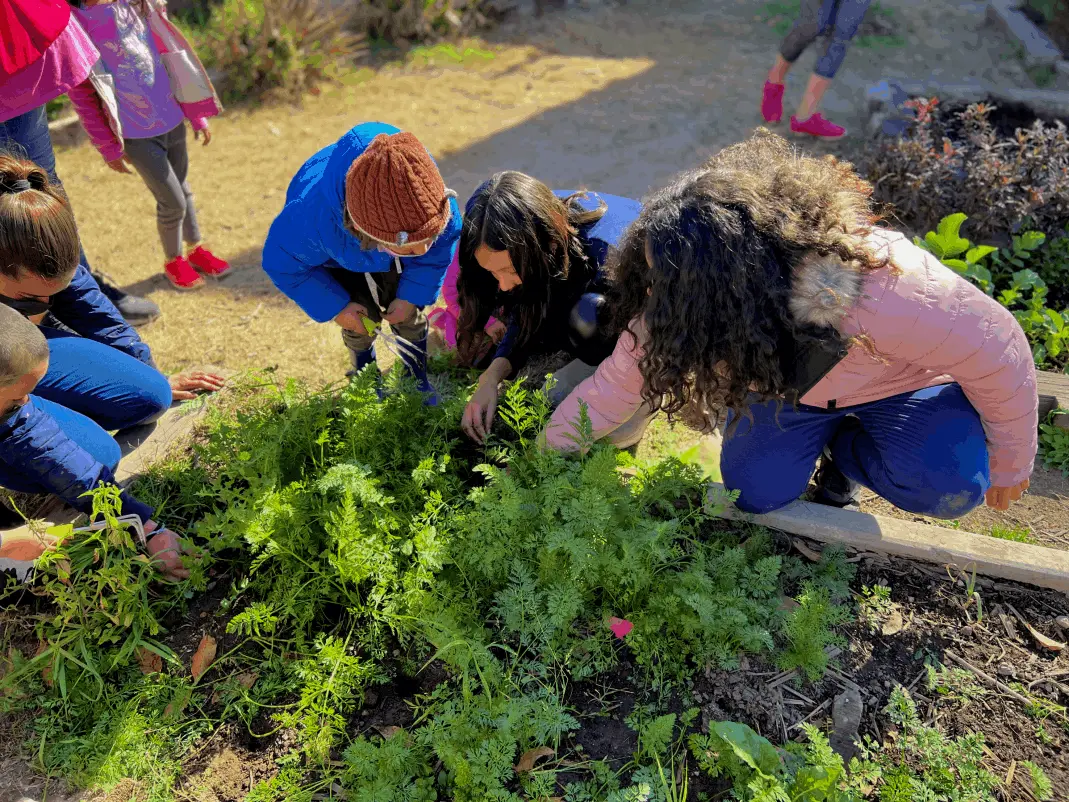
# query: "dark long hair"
[[519, 214], [723, 242], [37, 230]]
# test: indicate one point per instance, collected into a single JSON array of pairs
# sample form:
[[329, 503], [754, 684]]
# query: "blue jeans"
[[925, 452], [26, 136], [839, 20], [91, 389]]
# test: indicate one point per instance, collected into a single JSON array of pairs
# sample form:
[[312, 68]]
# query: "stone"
[[1062, 622], [1039, 50], [846, 716], [1006, 670]]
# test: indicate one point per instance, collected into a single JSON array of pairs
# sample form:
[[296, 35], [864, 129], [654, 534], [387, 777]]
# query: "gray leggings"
[[836, 19], [163, 162]]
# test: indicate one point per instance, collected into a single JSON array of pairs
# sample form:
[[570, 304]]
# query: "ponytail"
[[37, 229]]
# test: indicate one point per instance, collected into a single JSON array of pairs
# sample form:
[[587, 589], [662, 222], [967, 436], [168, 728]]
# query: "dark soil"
[[1057, 29]]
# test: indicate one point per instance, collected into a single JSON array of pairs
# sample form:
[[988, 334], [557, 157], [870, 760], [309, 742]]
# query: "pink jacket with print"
[[929, 326], [95, 101]]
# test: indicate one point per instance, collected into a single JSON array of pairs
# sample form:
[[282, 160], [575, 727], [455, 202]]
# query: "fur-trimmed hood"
[[824, 291]]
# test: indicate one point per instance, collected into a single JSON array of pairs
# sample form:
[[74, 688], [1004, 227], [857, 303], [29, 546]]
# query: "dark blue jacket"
[[597, 239], [87, 311], [31, 439], [309, 237]]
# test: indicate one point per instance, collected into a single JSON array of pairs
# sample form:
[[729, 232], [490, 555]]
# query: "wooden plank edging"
[[1002, 559]]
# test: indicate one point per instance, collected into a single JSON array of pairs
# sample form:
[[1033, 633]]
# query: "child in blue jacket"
[[368, 230]]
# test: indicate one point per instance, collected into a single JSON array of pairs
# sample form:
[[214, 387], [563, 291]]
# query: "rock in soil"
[[846, 716]]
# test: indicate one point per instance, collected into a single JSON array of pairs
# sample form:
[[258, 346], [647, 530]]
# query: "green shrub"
[[1054, 445]]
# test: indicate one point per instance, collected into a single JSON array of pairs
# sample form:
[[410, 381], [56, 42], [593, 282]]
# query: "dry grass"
[[240, 182]]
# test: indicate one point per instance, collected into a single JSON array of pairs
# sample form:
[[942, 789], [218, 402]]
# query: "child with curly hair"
[[760, 284]]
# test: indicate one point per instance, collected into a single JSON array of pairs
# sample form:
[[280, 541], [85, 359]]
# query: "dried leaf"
[[805, 551], [149, 661], [530, 757], [46, 672], [1043, 640], [203, 657], [388, 732], [787, 604], [894, 623], [248, 679]]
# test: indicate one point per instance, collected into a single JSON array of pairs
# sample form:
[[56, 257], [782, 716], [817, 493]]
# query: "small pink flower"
[[620, 627]]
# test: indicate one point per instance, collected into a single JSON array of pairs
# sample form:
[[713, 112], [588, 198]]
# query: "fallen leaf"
[[894, 623], [388, 732], [805, 551], [216, 697], [248, 679], [149, 661], [203, 657], [1043, 640], [620, 627], [46, 672], [787, 604], [530, 757]]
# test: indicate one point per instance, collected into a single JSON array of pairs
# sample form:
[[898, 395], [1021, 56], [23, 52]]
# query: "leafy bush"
[[275, 49], [1002, 274], [958, 162], [1054, 445], [420, 20]]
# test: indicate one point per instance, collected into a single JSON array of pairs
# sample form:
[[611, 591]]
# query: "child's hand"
[[398, 311], [1000, 498], [186, 386], [497, 331], [166, 550], [204, 132], [120, 165], [352, 317]]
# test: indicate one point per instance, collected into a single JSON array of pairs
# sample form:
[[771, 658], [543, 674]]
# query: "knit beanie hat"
[[394, 193]]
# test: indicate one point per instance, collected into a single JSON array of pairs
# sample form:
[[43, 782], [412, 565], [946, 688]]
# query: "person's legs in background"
[[104, 384], [29, 134], [925, 452], [565, 380]]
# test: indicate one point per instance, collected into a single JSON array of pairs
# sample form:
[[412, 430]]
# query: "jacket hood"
[[824, 291]]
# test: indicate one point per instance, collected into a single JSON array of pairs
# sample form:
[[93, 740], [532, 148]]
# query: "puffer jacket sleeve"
[[85, 309], [296, 264], [33, 441], [933, 318], [611, 396], [89, 107], [422, 276]]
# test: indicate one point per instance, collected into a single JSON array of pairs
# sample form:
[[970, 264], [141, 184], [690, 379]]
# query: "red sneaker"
[[817, 126], [772, 102], [182, 274], [208, 263]]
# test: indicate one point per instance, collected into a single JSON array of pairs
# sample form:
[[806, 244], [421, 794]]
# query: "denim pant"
[[163, 164], [26, 136], [91, 389], [925, 452], [839, 20]]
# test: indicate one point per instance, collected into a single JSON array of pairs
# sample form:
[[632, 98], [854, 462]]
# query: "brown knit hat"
[[394, 192]]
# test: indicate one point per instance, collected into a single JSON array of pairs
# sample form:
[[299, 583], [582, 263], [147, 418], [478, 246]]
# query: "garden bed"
[[270, 716]]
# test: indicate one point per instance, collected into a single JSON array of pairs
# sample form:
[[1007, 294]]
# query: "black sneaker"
[[834, 489], [136, 310]]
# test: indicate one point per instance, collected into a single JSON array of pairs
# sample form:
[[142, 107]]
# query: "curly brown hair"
[[707, 270]]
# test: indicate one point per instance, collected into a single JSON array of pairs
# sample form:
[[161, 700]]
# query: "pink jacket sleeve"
[[87, 104], [612, 395], [930, 316]]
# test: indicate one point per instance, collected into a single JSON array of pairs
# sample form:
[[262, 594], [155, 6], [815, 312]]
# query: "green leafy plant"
[[953, 684], [874, 605], [1054, 444]]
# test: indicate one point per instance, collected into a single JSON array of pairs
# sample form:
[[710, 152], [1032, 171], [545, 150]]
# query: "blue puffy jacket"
[[309, 237], [597, 239], [30, 437]]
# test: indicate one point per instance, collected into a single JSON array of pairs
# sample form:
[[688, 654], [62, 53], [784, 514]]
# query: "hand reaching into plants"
[[204, 133], [187, 386], [399, 311], [497, 331], [1000, 498], [351, 318], [166, 549], [480, 411]]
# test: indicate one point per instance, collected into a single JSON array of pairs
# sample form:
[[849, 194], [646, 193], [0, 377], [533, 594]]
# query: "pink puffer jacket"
[[929, 326]]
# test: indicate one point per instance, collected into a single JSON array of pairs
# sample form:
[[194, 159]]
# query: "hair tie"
[[21, 185]]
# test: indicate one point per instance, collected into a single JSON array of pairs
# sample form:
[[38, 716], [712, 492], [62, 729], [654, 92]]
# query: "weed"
[[874, 605], [1018, 534], [953, 684], [1054, 444], [1042, 788]]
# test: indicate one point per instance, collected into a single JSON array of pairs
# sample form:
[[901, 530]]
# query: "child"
[[152, 132], [445, 319], [837, 19], [760, 284], [368, 231]]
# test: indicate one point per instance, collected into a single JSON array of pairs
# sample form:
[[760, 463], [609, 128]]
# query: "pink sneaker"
[[182, 274], [208, 263], [772, 102], [817, 126]]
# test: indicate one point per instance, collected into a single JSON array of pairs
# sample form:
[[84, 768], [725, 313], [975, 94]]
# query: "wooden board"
[[1053, 394], [1003, 559]]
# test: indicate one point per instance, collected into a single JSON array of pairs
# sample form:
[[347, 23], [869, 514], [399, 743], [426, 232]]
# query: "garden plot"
[[387, 612]]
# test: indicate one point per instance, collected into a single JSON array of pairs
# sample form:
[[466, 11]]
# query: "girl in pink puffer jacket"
[[760, 279]]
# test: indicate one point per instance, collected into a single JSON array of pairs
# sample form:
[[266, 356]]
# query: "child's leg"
[[79, 428], [769, 461], [814, 18], [568, 378], [359, 344], [925, 452], [150, 159], [844, 26], [178, 156], [102, 383]]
